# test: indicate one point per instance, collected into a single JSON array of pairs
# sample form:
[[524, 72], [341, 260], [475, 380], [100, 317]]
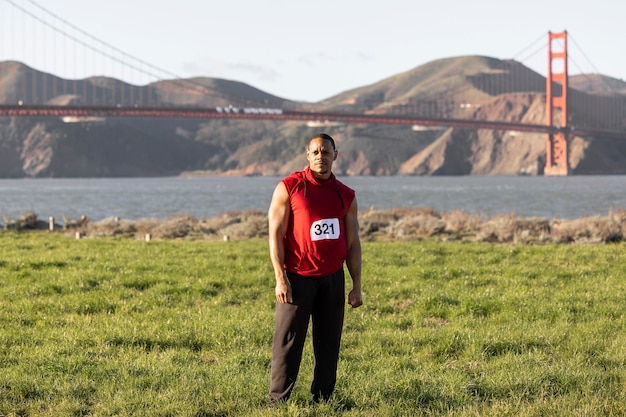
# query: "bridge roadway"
[[284, 115]]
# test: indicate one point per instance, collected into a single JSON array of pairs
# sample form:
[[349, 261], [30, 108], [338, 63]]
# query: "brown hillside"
[[470, 79], [472, 87], [597, 84]]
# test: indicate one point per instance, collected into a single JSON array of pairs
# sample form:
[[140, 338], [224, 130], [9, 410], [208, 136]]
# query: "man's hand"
[[355, 299], [283, 291]]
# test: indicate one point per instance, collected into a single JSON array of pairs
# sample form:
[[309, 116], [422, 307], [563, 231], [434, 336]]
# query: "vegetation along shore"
[[376, 225]]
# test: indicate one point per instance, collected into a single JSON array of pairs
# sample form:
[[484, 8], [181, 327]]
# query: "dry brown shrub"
[[418, 226], [248, 225], [69, 223], [403, 223], [214, 224], [507, 228], [618, 216], [146, 226], [375, 222], [252, 227], [28, 220], [110, 226], [501, 228], [389, 224], [531, 230], [173, 228], [460, 222], [567, 231], [595, 229]]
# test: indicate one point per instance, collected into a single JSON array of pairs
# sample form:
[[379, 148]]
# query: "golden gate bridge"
[[45, 95]]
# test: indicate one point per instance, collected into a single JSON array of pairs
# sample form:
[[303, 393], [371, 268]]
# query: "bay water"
[[160, 198]]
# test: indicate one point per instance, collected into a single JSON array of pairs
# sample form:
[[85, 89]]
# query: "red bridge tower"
[[556, 105]]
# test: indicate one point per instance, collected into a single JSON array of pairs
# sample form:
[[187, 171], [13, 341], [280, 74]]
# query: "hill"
[[489, 88], [597, 84]]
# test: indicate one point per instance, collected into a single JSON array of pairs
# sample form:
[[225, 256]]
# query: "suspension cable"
[[176, 79], [603, 79]]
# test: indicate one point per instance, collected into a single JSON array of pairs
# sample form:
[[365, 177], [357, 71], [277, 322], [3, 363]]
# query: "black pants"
[[322, 299]]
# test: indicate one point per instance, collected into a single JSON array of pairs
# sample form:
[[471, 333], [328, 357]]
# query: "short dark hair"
[[324, 136]]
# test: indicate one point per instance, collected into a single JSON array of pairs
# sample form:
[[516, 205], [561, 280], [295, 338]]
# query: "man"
[[313, 229]]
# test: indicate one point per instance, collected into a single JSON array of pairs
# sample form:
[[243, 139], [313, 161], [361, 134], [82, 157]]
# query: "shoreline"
[[375, 225]]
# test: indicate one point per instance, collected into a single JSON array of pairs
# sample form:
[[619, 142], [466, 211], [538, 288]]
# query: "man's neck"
[[321, 177]]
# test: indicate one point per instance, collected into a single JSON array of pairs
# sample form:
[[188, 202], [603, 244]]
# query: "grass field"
[[123, 327]]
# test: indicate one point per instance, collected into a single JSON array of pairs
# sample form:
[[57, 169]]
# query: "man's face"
[[320, 154]]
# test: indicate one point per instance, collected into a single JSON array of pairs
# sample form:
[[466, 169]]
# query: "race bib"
[[325, 229]]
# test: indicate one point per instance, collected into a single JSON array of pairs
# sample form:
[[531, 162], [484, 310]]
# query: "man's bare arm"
[[353, 261], [278, 219]]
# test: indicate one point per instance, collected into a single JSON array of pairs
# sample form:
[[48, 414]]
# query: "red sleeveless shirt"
[[315, 243]]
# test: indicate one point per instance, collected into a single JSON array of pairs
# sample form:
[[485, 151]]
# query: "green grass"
[[119, 327]]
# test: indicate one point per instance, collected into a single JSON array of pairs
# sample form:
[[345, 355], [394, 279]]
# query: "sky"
[[302, 50]]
